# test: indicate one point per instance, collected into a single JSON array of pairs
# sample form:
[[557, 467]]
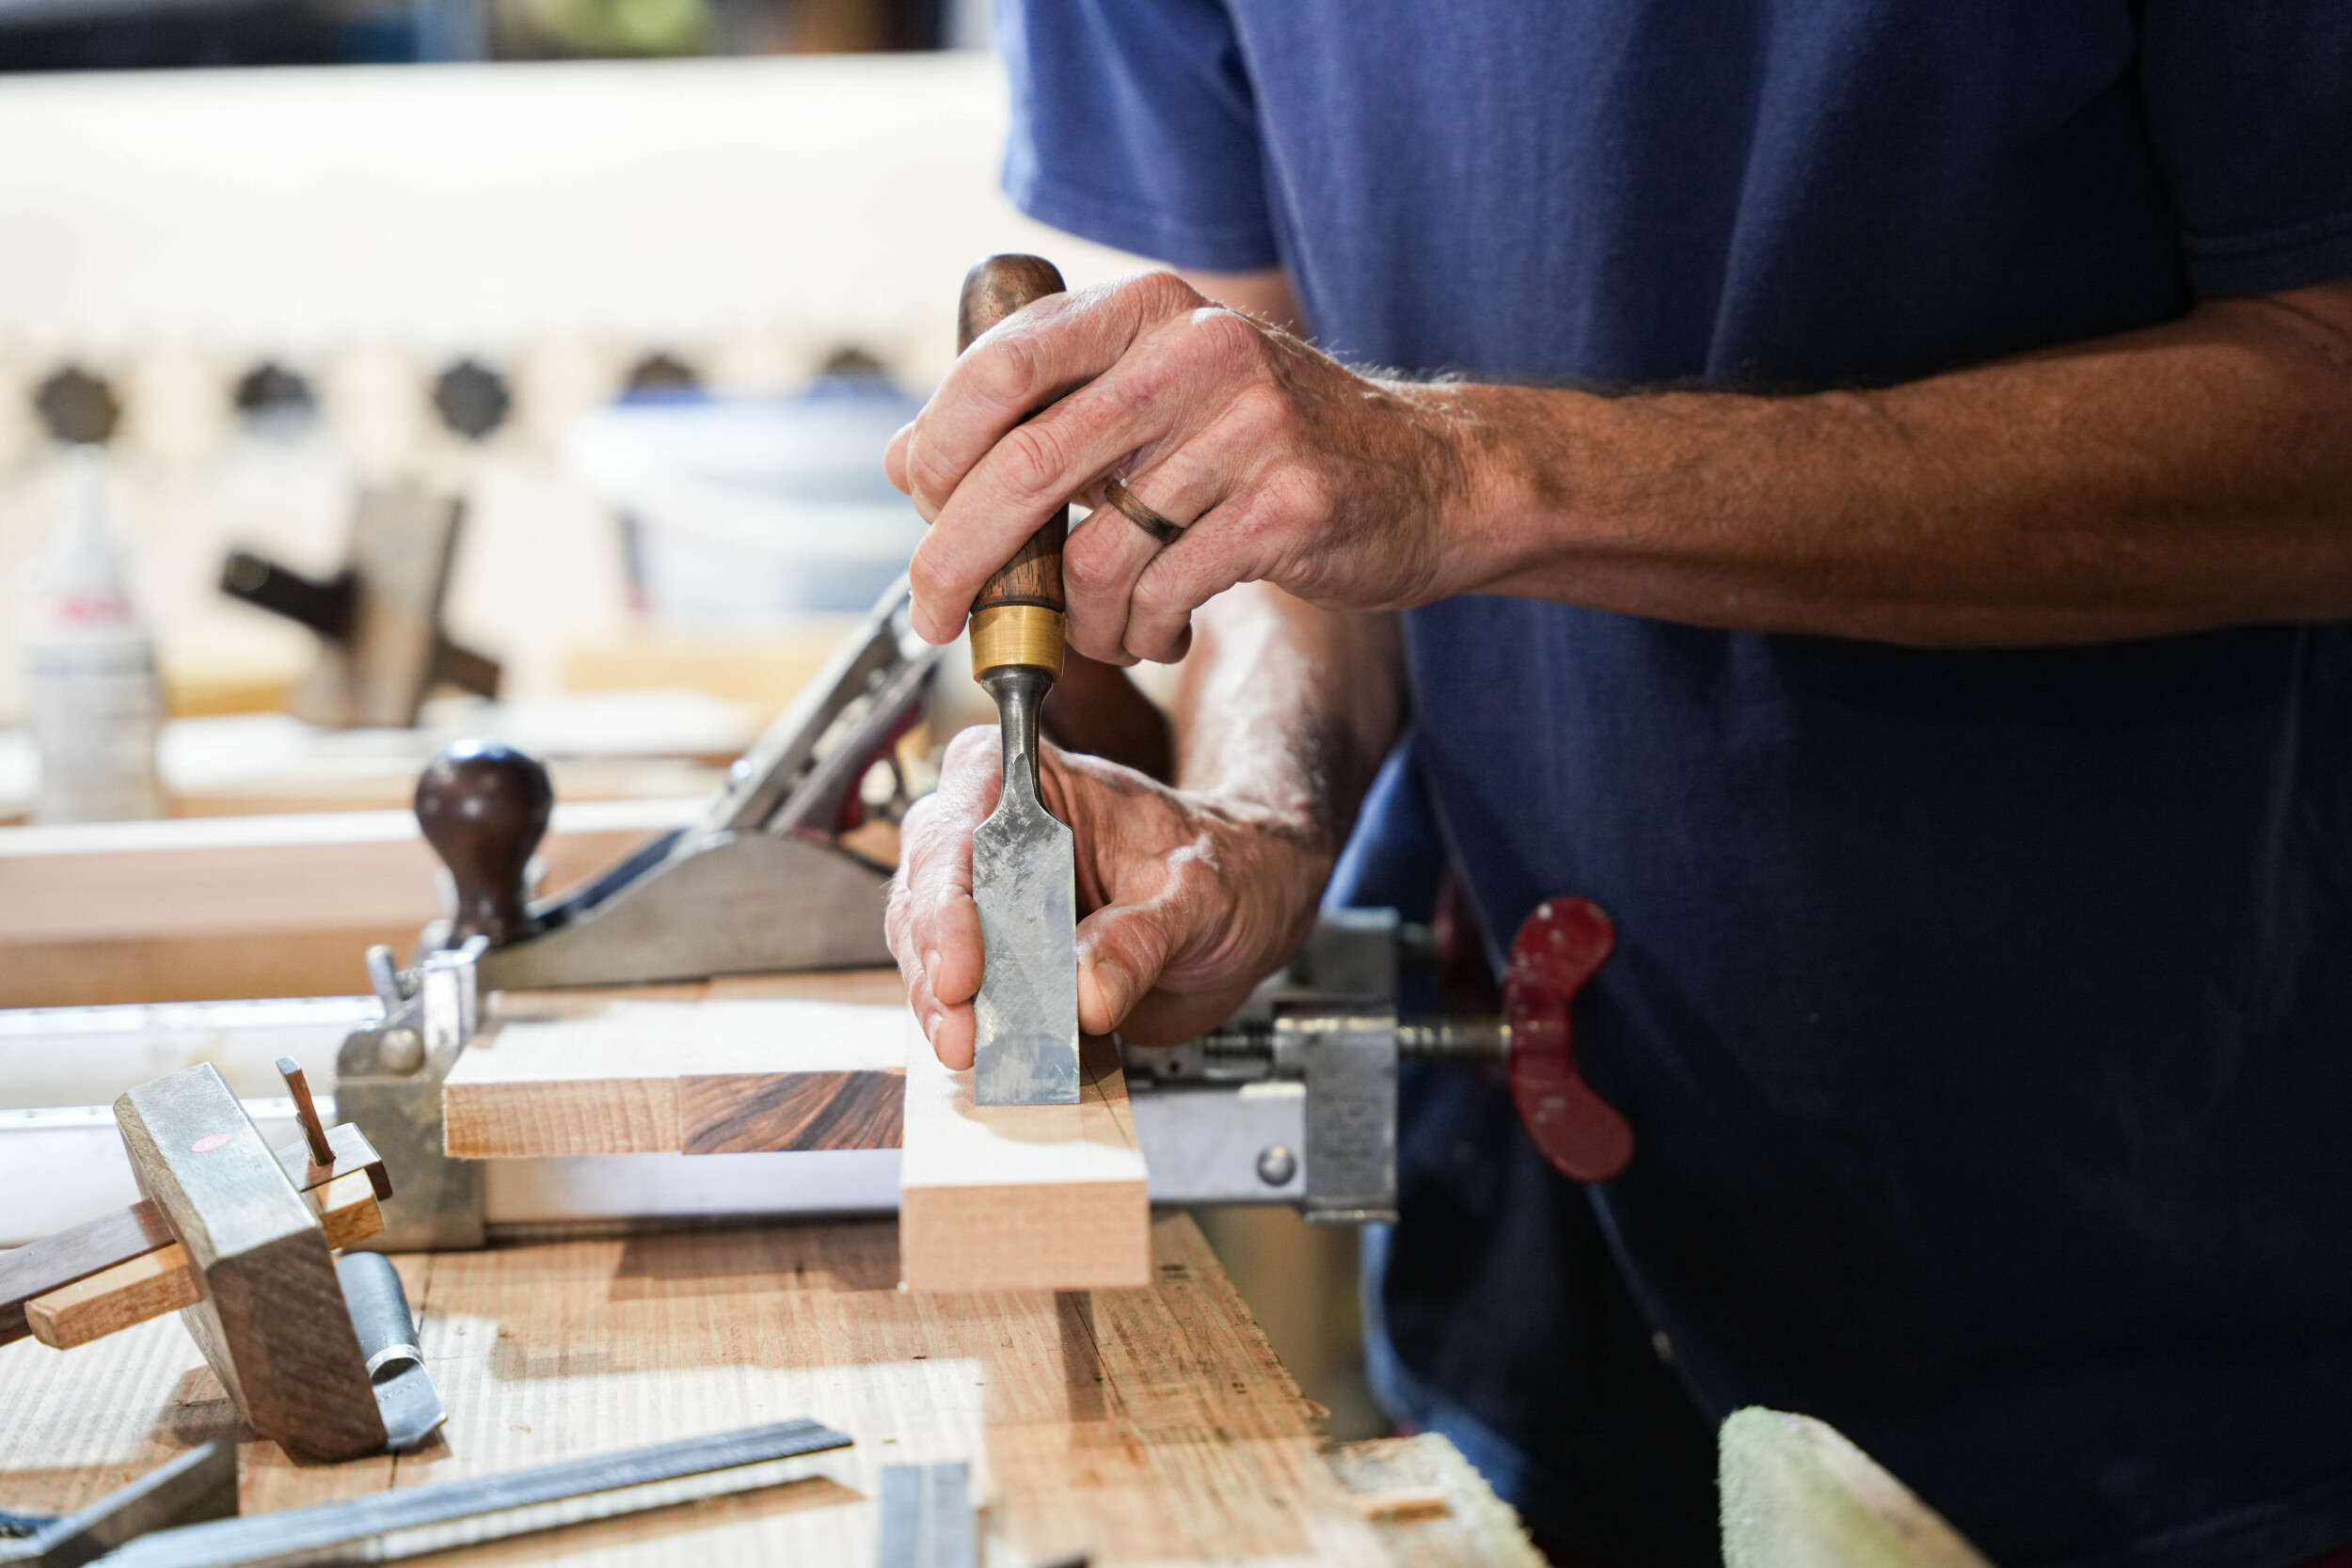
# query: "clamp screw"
[[399, 1051], [1277, 1164]]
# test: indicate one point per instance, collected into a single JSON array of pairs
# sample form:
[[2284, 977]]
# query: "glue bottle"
[[93, 702]]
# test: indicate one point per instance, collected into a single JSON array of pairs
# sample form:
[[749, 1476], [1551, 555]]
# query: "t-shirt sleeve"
[[1134, 125], [2250, 104]]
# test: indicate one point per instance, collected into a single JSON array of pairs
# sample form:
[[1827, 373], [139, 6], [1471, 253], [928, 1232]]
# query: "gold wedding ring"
[[1116, 492]]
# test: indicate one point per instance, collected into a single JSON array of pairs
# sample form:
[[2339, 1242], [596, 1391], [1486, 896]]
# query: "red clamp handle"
[[1559, 948]]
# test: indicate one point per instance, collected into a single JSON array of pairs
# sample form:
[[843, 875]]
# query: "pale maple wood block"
[[346, 1208], [164, 1280], [108, 1303], [698, 1070], [1021, 1198]]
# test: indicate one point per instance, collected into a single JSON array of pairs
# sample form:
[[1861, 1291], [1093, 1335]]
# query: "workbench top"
[[1139, 1425]]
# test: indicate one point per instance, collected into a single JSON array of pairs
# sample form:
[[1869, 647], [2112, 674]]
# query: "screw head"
[[1277, 1164], [399, 1051]]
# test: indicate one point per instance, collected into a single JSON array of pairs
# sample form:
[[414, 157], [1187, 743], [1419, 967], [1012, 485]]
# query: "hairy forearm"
[[2193, 475], [1283, 703], [1288, 707]]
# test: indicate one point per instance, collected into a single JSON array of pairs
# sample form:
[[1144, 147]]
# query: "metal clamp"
[[388, 1079]]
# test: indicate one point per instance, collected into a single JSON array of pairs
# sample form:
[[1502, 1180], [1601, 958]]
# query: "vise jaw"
[[388, 1079], [1304, 1074]]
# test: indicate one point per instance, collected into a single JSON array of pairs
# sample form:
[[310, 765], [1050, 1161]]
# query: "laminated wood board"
[[723, 1068]]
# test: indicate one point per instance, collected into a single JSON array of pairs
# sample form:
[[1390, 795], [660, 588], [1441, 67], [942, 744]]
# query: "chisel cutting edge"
[[1024, 861]]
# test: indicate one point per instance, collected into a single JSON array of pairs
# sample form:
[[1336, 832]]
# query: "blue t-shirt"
[[1985, 1018]]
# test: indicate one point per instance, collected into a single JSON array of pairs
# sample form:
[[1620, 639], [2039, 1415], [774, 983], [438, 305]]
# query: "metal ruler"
[[409, 1521]]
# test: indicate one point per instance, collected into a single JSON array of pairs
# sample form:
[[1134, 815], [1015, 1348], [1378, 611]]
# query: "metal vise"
[[1294, 1099]]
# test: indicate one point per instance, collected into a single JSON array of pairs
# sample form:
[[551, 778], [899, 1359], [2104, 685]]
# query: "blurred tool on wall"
[[93, 703]]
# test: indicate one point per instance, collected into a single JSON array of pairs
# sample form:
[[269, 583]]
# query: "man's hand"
[[1280, 465], [2168, 480], [1193, 897]]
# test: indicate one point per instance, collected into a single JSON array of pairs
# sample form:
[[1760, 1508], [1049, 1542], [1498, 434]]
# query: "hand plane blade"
[[1025, 880]]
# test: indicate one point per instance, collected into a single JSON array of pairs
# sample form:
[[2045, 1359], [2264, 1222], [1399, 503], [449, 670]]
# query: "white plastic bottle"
[[93, 702]]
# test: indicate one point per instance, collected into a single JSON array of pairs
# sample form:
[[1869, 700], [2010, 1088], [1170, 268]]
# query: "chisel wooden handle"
[[1017, 617]]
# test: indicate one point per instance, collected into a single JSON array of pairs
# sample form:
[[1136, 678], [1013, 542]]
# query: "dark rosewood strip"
[[768, 1113]]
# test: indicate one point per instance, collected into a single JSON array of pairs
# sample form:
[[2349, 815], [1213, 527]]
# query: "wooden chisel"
[[1024, 861]]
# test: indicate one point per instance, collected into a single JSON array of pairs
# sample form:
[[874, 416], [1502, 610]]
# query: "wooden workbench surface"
[[1139, 1425]]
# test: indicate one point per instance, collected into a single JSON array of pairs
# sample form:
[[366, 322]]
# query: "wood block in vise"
[[239, 1239], [379, 620]]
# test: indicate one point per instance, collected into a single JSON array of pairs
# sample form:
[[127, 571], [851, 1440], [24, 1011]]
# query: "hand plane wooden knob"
[[484, 807]]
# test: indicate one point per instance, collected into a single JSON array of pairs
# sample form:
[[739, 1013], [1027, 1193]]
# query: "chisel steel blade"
[[1025, 880]]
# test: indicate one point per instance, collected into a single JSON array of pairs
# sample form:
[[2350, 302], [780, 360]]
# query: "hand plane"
[[760, 882], [316, 1351]]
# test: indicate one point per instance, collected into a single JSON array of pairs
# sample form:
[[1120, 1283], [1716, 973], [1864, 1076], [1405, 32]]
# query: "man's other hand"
[[1280, 464], [1194, 897]]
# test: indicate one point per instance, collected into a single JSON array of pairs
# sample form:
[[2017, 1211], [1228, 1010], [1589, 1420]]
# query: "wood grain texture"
[[347, 1210], [111, 1239], [1014, 1198], [1033, 574], [659, 1069], [1429, 1506], [271, 1319], [55, 1261], [128, 1293], [995, 288], [1143, 1426], [753, 1113], [165, 1281]]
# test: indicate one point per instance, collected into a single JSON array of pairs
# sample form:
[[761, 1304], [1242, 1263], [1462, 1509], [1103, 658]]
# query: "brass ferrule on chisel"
[[1016, 634]]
